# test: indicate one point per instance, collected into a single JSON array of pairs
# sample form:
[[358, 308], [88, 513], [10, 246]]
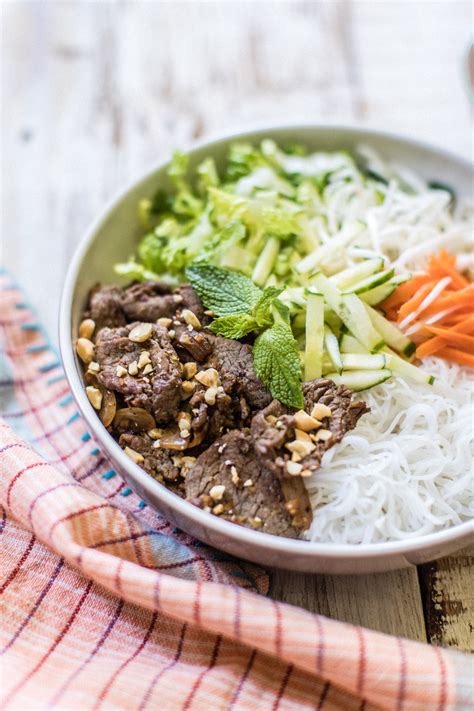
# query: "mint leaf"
[[236, 326], [223, 291], [277, 363], [262, 311]]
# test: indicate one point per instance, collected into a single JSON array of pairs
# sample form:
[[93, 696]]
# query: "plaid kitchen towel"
[[105, 606]]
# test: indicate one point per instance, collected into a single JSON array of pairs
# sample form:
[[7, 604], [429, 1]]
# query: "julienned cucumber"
[[353, 275], [391, 334], [360, 379], [349, 344], [313, 260], [351, 311], [407, 370], [364, 361], [332, 349], [313, 358], [371, 282], [379, 293]]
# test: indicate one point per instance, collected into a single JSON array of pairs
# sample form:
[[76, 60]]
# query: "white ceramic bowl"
[[112, 238]]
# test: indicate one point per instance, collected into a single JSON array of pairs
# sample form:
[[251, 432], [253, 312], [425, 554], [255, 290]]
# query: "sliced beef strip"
[[231, 461], [105, 307], [159, 392], [148, 301], [157, 462], [197, 344], [274, 426], [233, 361], [214, 419]]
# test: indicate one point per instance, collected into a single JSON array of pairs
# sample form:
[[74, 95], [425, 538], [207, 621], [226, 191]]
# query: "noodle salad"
[[361, 271]]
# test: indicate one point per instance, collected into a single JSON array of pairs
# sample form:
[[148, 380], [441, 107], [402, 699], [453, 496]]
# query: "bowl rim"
[[203, 519]]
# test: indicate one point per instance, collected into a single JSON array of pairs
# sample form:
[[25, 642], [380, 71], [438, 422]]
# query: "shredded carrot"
[[441, 267], [450, 334], [430, 347], [404, 292], [457, 356], [415, 301], [454, 337], [459, 299]]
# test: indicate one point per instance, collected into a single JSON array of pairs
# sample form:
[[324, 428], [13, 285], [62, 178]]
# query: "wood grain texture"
[[387, 602], [448, 595], [93, 93]]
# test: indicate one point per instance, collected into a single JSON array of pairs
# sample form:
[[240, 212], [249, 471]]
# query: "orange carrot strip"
[[457, 356], [404, 291], [458, 299], [454, 337], [430, 347], [460, 322], [441, 267], [413, 303]]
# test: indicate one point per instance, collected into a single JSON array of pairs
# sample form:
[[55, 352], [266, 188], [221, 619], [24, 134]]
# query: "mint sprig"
[[243, 308]]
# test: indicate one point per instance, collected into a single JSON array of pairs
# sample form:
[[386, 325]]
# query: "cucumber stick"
[[371, 282], [332, 349], [407, 370], [364, 361], [391, 334], [352, 312], [349, 344], [360, 379], [353, 275], [313, 357], [379, 293]]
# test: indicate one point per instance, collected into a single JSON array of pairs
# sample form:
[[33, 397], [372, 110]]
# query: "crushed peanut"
[[300, 434], [301, 447], [294, 468], [324, 435], [234, 475], [221, 448], [217, 510], [185, 433], [187, 388], [248, 482], [209, 377], [134, 456], [94, 396], [305, 422], [154, 433], [87, 328], [93, 367], [177, 298], [120, 371], [85, 350], [144, 359], [164, 322], [172, 333], [217, 492], [306, 472], [319, 411], [189, 370], [210, 396], [191, 318], [271, 419], [147, 369], [133, 368], [141, 333], [208, 312]]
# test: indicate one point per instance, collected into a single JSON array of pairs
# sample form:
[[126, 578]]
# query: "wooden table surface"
[[93, 93]]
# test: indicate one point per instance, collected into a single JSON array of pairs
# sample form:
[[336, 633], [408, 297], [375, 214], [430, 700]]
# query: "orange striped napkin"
[[105, 606]]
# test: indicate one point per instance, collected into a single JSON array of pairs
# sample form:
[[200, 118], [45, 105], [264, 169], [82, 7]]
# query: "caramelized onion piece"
[[133, 418], [109, 407]]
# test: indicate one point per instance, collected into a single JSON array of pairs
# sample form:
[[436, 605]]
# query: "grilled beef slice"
[[252, 496], [159, 391], [233, 360], [275, 426], [105, 307]]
